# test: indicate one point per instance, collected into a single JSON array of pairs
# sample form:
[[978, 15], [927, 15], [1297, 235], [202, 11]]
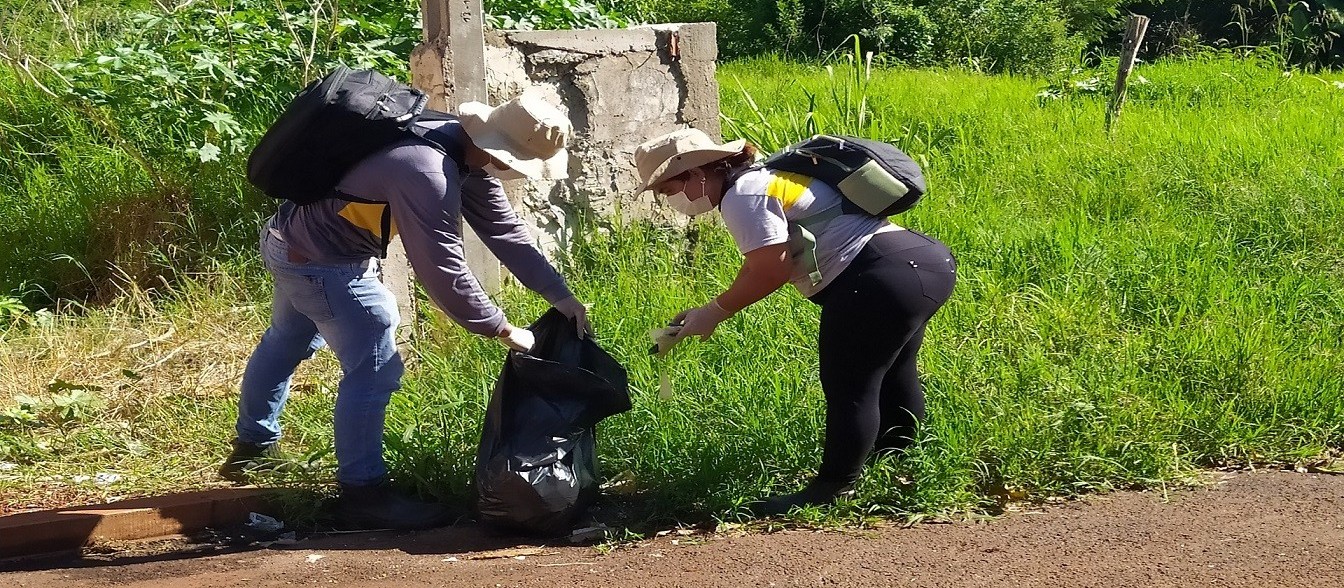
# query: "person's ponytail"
[[743, 158]]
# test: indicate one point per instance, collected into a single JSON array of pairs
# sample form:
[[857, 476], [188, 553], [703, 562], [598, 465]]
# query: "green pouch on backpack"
[[803, 243], [803, 251]]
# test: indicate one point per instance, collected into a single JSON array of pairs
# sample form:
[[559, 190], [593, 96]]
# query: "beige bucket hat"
[[527, 133], [668, 156]]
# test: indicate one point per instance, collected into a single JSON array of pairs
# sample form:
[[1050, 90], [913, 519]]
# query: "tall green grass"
[[1130, 307], [89, 210], [123, 152]]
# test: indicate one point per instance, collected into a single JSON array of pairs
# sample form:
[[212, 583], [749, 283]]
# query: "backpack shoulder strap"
[[815, 219], [444, 142]]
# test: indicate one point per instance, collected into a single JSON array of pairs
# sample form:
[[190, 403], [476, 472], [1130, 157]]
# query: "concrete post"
[[396, 276], [619, 87], [449, 65]]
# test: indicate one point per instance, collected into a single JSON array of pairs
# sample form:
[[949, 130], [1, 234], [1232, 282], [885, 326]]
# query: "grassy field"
[[1130, 308]]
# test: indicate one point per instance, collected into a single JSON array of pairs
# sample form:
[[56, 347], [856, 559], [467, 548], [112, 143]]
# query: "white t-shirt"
[[758, 206]]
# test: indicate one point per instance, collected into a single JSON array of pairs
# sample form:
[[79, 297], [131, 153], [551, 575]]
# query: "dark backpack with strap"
[[329, 127], [874, 177]]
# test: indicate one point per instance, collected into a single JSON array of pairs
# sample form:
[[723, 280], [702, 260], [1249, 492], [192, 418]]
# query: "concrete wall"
[[620, 88]]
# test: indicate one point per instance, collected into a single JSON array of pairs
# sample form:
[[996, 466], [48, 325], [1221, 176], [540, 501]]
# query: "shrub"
[[1304, 33], [552, 14], [1016, 35], [126, 162], [896, 30], [1004, 35], [746, 27]]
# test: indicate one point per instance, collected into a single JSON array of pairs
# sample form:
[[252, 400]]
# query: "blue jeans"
[[346, 307]]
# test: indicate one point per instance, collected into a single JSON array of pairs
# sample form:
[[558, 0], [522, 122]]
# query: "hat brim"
[[689, 160], [473, 117]]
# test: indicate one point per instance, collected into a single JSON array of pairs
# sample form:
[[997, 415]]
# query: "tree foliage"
[[1300, 31], [1017, 35]]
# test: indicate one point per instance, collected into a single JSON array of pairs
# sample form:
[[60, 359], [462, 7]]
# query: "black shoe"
[[249, 459], [816, 493], [381, 506]]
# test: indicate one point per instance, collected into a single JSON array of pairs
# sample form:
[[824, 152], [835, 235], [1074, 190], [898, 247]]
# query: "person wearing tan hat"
[[878, 285], [325, 258]]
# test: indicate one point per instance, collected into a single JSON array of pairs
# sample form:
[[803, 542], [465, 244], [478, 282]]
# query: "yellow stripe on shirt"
[[787, 187], [368, 217]]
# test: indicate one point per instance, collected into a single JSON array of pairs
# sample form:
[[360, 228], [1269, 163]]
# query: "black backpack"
[[331, 125], [874, 177]]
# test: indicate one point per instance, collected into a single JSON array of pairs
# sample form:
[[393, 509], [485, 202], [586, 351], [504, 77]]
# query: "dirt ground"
[[1245, 529]]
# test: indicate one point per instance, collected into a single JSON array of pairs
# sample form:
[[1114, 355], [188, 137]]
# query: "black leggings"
[[872, 324]]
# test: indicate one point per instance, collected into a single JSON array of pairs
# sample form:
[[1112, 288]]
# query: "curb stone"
[[65, 529]]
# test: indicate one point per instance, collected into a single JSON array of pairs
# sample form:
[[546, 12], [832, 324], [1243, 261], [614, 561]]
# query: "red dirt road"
[[1262, 529]]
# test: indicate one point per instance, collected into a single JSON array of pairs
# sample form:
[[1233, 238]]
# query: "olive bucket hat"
[[670, 155], [527, 133]]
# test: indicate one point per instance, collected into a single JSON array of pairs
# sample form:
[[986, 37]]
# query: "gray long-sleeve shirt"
[[428, 195]]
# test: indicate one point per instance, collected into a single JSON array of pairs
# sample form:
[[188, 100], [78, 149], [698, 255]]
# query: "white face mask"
[[503, 174], [683, 204]]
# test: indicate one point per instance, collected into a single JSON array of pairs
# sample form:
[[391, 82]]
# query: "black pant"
[[872, 324]]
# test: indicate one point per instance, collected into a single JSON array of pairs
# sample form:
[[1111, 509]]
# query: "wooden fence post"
[[1137, 27]]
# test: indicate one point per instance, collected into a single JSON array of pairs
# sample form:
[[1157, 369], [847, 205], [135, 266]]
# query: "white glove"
[[577, 312], [701, 321], [664, 339], [517, 338]]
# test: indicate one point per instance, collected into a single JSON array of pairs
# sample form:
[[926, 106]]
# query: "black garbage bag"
[[536, 468]]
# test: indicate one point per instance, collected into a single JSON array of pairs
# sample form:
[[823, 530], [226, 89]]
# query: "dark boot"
[[818, 492], [248, 459], [381, 506]]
